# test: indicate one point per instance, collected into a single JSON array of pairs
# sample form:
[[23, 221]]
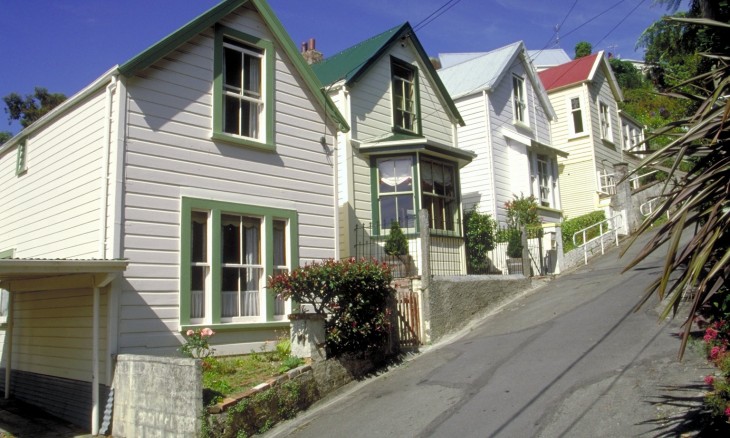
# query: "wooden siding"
[[476, 177], [53, 209], [52, 334], [169, 153]]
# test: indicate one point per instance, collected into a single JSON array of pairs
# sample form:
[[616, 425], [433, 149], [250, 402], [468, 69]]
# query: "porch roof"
[[18, 275], [399, 143]]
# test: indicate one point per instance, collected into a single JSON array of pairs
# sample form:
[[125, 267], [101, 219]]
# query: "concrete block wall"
[[157, 397]]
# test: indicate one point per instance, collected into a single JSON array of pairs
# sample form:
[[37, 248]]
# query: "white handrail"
[[612, 226]]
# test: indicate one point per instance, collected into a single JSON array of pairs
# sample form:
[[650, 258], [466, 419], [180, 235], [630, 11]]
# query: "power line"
[[435, 14]]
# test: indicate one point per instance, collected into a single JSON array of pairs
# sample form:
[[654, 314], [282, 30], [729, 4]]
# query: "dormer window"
[[519, 102], [243, 89], [405, 93]]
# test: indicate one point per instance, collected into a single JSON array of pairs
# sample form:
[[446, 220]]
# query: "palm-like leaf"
[[698, 200]]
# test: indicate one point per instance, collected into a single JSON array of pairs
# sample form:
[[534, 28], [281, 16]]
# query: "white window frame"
[[405, 108], [544, 175], [519, 101], [271, 222], [572, 111], [242, 95], [604, 118]]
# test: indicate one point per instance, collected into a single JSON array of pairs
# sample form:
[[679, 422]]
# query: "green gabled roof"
[[350, 64], [210, 18]]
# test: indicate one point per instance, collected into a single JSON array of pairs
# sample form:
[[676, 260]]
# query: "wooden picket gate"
[[408, 319]]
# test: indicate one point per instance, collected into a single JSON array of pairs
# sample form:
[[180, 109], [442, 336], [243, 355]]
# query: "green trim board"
[[208, 19], [20, 161], [267, 142], [216, 208], [7, 254]]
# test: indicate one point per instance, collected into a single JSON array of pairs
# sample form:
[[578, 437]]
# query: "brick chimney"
[[310, 53]]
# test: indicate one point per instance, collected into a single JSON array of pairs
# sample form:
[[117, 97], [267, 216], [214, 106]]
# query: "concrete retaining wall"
[[455, 301], [157, 396]]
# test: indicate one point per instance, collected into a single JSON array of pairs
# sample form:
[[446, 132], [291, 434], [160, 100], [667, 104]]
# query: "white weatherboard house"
[[590, 127], [507, 117], [159, 199], [401, 154]]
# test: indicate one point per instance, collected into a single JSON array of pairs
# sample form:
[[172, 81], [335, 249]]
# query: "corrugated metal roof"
[[478, 73], [350, 62], [548, 57], [569, 73]]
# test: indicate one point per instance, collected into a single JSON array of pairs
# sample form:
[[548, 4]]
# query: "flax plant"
[[698, 200]]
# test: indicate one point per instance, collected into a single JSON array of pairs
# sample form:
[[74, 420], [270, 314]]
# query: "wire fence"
[[450, 253]]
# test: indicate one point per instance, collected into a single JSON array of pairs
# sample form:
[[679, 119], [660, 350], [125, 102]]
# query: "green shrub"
[[396, 244], [522, 211], [479, 234], [353, 293], [514, 243], [570, 226]]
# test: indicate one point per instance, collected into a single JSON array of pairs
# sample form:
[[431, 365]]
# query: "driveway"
[[571, 359]]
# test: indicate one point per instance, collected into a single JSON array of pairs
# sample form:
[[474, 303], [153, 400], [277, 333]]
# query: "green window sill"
[[223, 327]]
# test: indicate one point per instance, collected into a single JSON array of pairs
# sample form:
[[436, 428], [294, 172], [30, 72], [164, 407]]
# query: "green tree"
[[627, 76], [32, 107], [5, 136], [583, 48]]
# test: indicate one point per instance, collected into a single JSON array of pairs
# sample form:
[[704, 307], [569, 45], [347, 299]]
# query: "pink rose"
[[727, 411], [189, 332], [710, 334], [710, 380], [714, 353], [207, 332]]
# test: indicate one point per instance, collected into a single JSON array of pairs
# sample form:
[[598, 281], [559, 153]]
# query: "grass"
[[223, 376]]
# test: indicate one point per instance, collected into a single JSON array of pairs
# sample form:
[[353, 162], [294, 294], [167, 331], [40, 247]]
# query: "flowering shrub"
[[196, 343], [352, 292], [716, 339]]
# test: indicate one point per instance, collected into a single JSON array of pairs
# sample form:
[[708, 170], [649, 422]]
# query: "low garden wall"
[[279, 399], [455, 301]]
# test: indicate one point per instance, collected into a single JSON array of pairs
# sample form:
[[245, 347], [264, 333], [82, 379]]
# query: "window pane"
[[249, 119], [406, 212], [279, 244], [199, 239], [426, 177], [252, 75], [449, 183], [388, 212], [232, 115], [577, 122], [231, 238], [232, 69], [229, 279], [438, 179], [251, 241]]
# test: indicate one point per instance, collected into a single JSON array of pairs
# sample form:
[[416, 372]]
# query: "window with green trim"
[[229, 250], [405, 92], [396, 192], [398, 197], [438, 193], [243, 89]]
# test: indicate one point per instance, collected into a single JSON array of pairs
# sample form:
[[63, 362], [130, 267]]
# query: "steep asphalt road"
[[569, 359]]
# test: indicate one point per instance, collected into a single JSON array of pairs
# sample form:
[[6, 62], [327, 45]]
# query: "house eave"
[[420, 145]]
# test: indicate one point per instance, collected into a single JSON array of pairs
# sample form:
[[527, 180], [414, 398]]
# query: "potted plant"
[[396, 247]]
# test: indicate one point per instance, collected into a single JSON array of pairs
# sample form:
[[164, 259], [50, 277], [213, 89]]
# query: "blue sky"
[[64, 45]]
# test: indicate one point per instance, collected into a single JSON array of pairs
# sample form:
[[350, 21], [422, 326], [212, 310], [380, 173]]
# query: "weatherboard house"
[[159, 199], [592, 129], [400, 155], [507, 115]]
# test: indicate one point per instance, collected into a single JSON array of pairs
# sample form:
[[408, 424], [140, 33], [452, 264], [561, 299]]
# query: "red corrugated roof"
[[569, 73]]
